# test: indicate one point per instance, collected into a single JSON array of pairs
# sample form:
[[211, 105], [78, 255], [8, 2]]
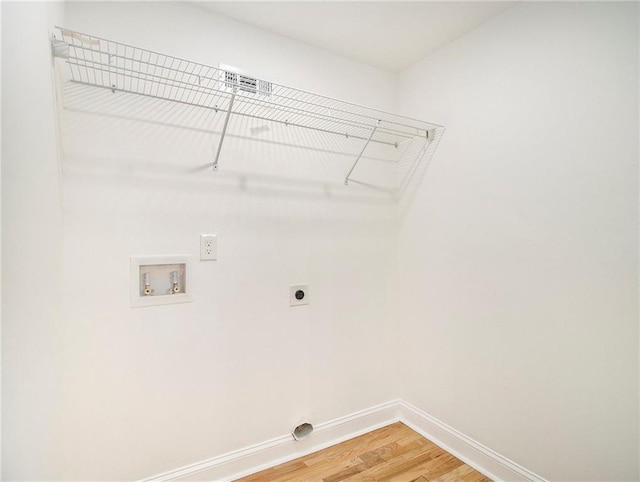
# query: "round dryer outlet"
[[298, 295]]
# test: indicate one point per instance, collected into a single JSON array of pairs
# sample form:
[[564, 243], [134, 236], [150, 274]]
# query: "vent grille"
[[247, 84]]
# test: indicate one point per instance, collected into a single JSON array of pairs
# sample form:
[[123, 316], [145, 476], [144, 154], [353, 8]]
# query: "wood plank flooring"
[[394, 454]]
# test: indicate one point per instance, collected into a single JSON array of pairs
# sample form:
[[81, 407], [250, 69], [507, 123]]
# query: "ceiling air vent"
[[247, 84]]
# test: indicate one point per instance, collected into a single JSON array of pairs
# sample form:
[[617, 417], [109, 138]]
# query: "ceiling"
[[390, 35]]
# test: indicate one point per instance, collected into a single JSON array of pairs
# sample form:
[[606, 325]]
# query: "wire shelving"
[[121, 67]]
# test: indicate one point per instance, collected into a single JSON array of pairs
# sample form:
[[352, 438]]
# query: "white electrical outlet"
[[208, 247]]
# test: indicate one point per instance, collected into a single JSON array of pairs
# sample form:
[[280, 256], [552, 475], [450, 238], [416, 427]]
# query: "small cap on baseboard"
[[303, 429]]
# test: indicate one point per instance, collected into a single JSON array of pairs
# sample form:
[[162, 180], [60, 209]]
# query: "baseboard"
[[473, 453], [239, 463], [249, 460]]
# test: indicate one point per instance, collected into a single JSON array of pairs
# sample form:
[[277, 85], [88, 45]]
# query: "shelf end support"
[[373, 131], [224, 129]]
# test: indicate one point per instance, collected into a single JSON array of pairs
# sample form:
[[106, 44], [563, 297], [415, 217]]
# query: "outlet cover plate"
[[208, 247]]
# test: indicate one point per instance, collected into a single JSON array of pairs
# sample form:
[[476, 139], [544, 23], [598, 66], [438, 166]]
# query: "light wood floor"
[[394, 453]]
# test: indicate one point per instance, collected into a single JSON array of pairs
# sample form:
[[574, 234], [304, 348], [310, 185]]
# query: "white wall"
[[31, 247], [150, 389], [519, 258], [0, 259], [516, 320]]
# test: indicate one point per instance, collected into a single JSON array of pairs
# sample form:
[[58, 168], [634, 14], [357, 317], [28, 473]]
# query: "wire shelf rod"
[[123, 71], [332, 120], [170, 68], [200, 77], [178, 83], [326, 131]]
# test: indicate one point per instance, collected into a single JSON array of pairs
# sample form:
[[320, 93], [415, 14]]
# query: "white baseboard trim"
[[239, 463], [473, 453]]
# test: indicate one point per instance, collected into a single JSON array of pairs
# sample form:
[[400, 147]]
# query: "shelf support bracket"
[[59, 48], [224, 129], [373, 131]]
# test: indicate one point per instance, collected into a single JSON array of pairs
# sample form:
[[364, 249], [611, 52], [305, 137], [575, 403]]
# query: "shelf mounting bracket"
[[373, 131], [224, 128]]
